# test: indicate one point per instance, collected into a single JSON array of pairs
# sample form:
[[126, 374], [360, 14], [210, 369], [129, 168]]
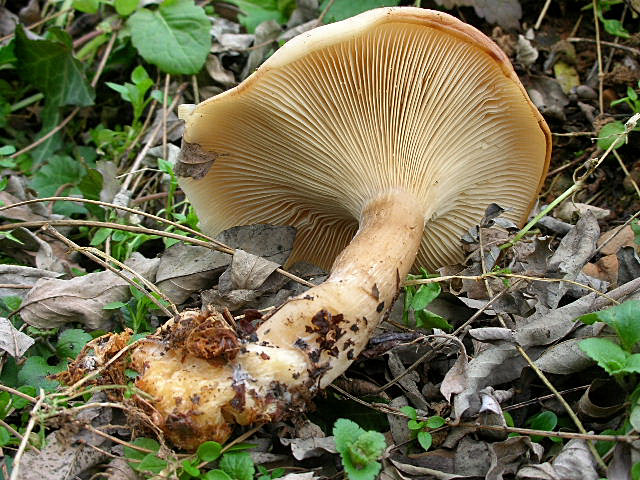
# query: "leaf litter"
[[473, 383]]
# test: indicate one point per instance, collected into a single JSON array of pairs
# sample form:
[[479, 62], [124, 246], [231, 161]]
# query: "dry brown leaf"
[[12, 341], [505, 13], [54, 302]]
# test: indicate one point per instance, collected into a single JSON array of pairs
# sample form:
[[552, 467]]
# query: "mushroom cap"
[[392, 99]]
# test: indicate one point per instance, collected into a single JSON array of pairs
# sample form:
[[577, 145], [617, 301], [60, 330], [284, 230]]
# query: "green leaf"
[[635, 228], [91, 184], [606, 354], [151, 463], [99, 237], [238, 465], [342, 9], [142, 442], [635, 471], [5, 437], [18, 402], [410, 412], [427, 319], [609, 134], [415, 425], [216, 475], [254, 12], [358, 449], [545, 420], [175, 37], [614, 27], [35, 370], [435, 422], [634, 417], [50, 66], [425, 295], [126, 7], [190, 468], [209, 451], [425, 440], [624, 319], [60, 170], [114, 305], [86, 6], [632, 365], [70, 342], [7, 150]]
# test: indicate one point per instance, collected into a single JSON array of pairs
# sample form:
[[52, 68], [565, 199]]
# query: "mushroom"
[[382, 139]]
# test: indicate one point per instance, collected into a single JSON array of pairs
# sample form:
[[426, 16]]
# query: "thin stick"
[[152, 139], [542, 14], [25, 438], [626, 172], [15, 285], [165, 100], [633, 217], [599, 51], [631, 50], [18, 393], [91, 253]]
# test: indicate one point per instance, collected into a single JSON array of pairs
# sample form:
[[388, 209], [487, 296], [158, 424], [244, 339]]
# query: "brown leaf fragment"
[[19, 275], [194, 161], [456, 379], [12, 341], [68, 451], [564, 358], [505, 13], [186, 269], [54, 302], [310, 447], [613, 240], [574, 462]]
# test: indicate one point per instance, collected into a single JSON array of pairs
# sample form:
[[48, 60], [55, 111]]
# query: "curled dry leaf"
[[505, 13], [19, 275], [564, 358], [54, 302], [68, 452], [302, 448], [574, 462], [185, 269], [12, 341]]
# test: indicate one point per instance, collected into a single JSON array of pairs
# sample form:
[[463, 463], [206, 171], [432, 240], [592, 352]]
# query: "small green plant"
[[234, 464], [618, 360], [136, 93], [612, 26], [420, 429], [416, 300], [631, 99], [546, 421], [359, 449], [137, 310]]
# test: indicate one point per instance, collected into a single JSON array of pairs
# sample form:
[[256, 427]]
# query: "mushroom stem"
[[301, 348], [332, 323]]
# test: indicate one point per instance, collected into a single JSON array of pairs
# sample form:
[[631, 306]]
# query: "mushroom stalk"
[[301, 348]]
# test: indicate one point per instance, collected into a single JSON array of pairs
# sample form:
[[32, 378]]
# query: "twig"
[[91, 253], [165, 100], [596, 22], [324, 12], [631, 50], [213, 245], [25, 438], [15, 285], [15, 433], [542, 14], [152, 139], [18, 393], [633, 217], [626, 172]]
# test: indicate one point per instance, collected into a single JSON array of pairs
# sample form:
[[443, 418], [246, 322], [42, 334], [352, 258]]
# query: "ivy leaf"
[[209, 451], [70, 342], [50, 66], [175, 37], [126, 7], [61, 170], [143, 442], [86, 6], [426, 294], [151, 463]]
